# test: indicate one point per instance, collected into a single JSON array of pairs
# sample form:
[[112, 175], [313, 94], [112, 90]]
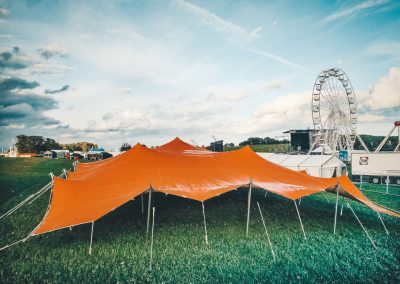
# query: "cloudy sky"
[[147, 71]]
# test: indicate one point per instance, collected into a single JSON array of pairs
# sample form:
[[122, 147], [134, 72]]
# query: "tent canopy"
[[175, 168]]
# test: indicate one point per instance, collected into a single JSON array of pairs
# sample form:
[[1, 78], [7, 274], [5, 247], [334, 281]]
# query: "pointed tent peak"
[[176, 145]]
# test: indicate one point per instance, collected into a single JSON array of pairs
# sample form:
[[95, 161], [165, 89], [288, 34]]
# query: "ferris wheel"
[[333, 108]]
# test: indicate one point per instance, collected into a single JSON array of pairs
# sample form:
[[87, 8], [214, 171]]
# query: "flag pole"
[[205, 224], [301, 223]]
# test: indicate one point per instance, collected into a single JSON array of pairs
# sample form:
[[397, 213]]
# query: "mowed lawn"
[[121, 251]]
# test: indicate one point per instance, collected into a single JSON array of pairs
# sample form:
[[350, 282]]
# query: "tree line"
[[40, 144], [262, 141]]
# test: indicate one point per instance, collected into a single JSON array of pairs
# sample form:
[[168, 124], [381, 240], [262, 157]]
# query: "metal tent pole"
[[148, 212], [248, 209], [301, 223], [336, 207], [341, 209], [151, 243], [361, 176], [387, 184], [91, 240], [372, 242], [299, 201], [205, 224], [380, 218], [266, 232]]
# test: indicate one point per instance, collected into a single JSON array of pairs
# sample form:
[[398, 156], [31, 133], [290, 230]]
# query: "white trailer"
[[382, 167]]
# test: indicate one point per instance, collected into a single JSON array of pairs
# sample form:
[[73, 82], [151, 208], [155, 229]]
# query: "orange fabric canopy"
[[175, 168]]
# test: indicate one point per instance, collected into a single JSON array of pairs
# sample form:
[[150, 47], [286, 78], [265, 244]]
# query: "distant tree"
[[125, 147], [35, 144], [79, 146]]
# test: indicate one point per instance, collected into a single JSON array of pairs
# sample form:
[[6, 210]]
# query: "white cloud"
[[386, 93], [283, 112], [277, 58], [391, 48], [124, 90], [276, 85], [234, 31], [368, 118], [353, 10], [255, 33]]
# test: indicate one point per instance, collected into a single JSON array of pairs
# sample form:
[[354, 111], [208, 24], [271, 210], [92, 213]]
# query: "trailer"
[[380, 168]]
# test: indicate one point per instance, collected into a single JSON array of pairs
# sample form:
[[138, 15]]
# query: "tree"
[[35, 144], [125, 147]]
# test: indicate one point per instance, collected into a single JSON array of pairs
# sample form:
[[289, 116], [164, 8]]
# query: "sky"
[[111, 72]]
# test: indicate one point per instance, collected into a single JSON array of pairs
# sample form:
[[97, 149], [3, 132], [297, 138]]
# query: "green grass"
[[23, 175], [276, 148], [121, 251]]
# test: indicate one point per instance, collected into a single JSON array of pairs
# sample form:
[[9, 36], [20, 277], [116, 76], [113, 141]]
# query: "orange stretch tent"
[[175, 168]]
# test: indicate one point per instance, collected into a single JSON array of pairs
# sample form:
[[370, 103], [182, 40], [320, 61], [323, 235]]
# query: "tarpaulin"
[[175, 168]]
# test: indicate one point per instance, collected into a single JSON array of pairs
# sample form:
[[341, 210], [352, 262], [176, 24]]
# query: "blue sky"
[[147, 71]]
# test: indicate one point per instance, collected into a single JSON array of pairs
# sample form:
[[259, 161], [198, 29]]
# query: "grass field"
[[121, 251]]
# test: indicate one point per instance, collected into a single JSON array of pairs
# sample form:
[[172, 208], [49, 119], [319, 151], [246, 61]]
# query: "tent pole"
[[299, 201], [248, 209], [266, 232], [361, 180], [148, 212], [387, 184], [341, 209], [372, 242], [336, 207], [380, 218], [301, 223], [151, 243], [91, 240], [266, 192], [205, 225]]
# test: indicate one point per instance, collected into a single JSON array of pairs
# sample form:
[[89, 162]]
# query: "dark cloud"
[[24, 108], [13, 83], [13, 59], [51, 51], [62, 89]]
